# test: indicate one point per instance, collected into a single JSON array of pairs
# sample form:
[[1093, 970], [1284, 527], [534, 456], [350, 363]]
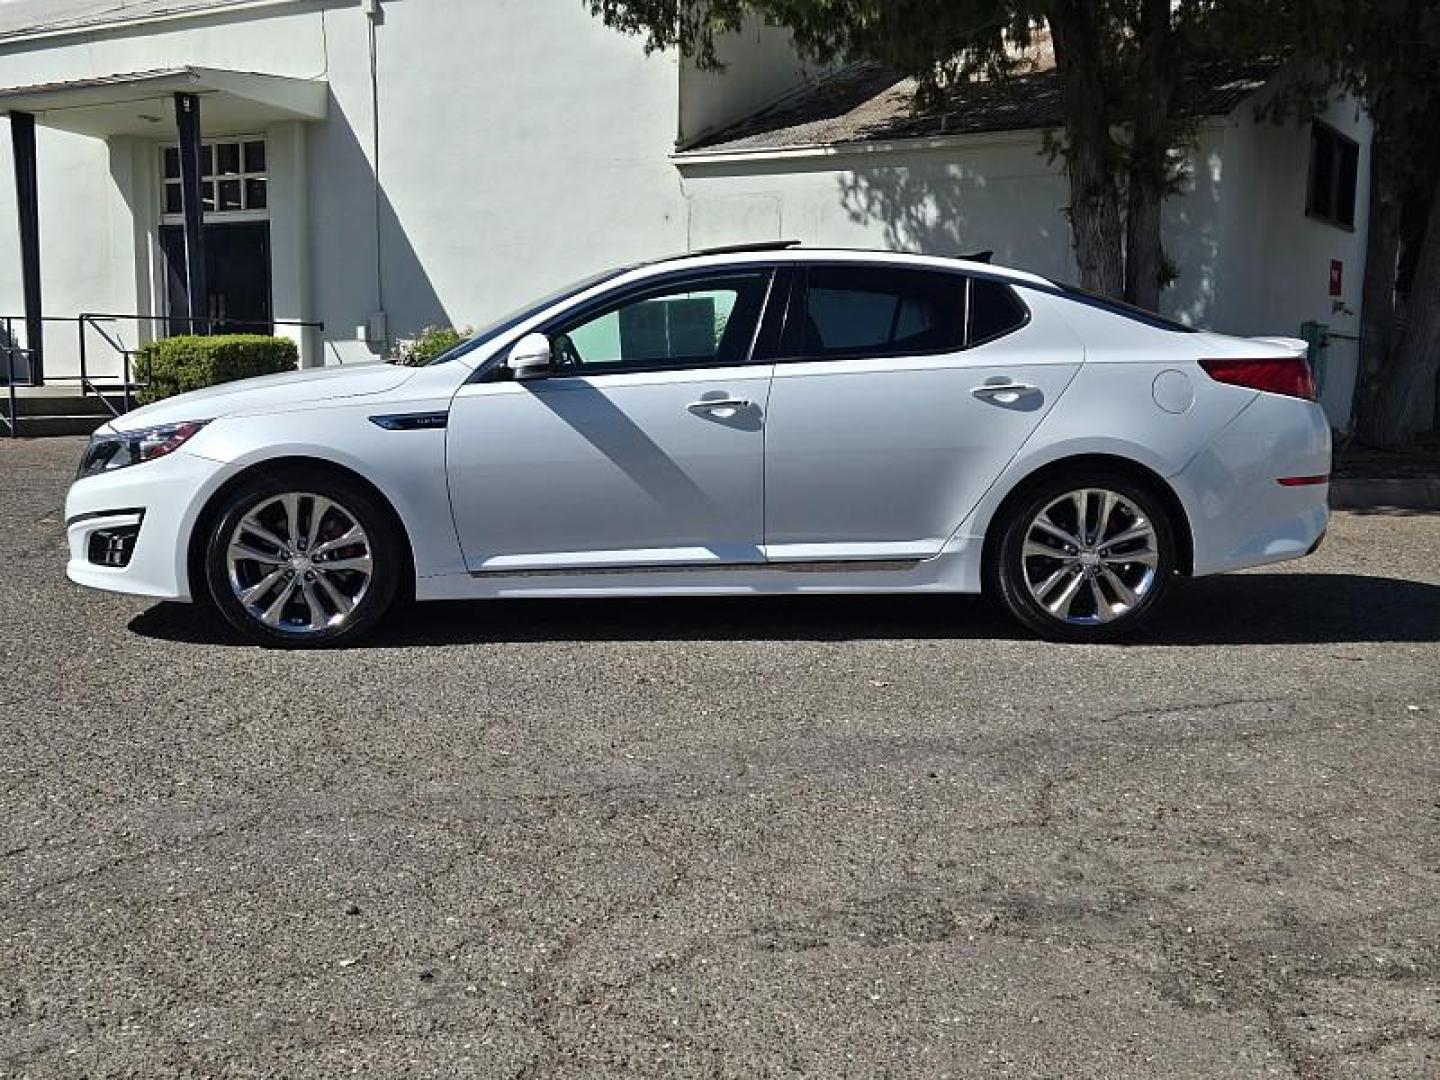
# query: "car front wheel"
[[1086, 556], [303, 560]]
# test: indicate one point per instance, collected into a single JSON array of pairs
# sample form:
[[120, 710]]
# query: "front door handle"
[[1004, 392], [716, 404]]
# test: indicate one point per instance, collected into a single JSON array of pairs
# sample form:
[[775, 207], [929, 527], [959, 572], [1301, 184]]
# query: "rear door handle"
[[1012, 390], [712, 404]]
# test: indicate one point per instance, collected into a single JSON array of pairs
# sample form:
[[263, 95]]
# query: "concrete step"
[[58, 409], [61, 404]]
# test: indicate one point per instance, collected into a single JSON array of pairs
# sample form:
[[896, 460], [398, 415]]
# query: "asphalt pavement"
[[742, 838]]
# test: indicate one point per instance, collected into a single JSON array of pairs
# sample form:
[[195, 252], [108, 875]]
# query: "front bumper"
[[162, 498]]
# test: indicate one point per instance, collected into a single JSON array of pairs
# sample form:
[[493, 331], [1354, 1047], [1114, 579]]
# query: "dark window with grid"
[[232, 176], [1334, 169]]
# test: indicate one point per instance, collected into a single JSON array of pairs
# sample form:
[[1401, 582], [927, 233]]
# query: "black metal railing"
[[11, 351], [115, 391]]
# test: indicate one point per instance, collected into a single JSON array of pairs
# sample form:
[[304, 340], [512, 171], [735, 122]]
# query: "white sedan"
[[763, 420]]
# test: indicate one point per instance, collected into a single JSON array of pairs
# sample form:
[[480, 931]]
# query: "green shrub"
[[174, 365], [430, 343]]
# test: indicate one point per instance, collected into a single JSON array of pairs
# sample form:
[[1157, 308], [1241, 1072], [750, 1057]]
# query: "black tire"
[[1006, 577], [375, 597]]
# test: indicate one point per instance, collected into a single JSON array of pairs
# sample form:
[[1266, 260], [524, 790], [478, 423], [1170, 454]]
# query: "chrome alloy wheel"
[[299, 563], [1090, 557]]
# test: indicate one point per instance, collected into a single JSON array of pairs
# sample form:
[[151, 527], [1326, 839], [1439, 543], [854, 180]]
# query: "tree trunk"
[[1144, 250], [1149, 152], [1416, 354], [1090, 154], [1377, 294]]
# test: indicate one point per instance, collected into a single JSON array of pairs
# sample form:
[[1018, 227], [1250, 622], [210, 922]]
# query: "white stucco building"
[[379, 165]]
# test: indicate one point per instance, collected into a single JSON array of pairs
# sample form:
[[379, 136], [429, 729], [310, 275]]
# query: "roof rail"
[[736, 249], [983, 257], [782, 245]]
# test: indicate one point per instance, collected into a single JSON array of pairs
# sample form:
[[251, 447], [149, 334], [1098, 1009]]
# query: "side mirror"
[[530, 357]]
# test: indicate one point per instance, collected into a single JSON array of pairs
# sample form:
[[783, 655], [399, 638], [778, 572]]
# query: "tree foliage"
[[1386, 53], [1122, 66], [932, 40]]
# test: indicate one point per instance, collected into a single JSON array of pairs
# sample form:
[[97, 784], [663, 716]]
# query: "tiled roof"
[[869, 103], [21, 17]]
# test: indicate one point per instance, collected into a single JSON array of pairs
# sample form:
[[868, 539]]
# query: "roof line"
[[855, 147], [101, 22], [859, 147], [118, 78]]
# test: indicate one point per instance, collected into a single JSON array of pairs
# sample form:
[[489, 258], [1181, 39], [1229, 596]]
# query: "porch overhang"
[[142, 103], [160, 104]]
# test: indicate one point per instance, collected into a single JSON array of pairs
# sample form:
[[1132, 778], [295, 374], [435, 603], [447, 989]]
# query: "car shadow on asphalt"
[[1237, 609]]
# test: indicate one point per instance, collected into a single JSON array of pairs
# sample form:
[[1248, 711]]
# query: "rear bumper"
[[1240, 514]]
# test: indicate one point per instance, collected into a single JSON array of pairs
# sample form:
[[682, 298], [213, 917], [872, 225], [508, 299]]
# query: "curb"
[[1360, 494]]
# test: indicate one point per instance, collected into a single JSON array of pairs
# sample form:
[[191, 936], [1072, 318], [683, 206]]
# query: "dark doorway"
[[237, 272]]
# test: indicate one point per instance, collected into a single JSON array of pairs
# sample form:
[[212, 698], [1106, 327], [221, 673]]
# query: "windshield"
[[515, 318]]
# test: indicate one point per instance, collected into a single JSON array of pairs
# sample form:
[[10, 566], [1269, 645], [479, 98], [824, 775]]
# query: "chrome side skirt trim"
[[820, 566], [843, 566]]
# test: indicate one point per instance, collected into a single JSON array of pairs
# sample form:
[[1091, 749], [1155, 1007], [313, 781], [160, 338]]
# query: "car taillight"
[[1289, 376]]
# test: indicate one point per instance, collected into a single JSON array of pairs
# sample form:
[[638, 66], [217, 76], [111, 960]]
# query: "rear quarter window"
[[995, 311]]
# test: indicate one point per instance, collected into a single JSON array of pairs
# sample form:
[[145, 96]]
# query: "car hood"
[[268, 393]]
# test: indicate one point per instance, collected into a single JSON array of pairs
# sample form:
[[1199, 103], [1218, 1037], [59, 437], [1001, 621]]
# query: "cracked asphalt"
[[826, 837]]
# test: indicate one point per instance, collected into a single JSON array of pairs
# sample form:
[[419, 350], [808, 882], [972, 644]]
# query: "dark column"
[[27, 198], [187, 115]]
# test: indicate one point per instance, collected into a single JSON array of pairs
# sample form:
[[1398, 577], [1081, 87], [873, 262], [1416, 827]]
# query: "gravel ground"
[[827, 837]]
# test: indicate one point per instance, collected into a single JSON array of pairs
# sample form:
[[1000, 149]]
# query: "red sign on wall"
[[1337, 277]]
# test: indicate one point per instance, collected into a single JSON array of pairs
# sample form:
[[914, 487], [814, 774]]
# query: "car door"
[[643, 448], [899, 395]]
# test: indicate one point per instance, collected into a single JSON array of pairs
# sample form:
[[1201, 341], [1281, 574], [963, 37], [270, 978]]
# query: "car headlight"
[[117, 449]]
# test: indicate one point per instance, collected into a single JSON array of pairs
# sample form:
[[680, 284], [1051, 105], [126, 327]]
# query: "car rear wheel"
[[304, 560], [1086, 556]]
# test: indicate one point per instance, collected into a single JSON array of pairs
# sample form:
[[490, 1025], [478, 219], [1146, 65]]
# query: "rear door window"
[[881, 311]]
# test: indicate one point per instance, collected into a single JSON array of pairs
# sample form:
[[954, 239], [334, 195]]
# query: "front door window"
[[698, 324]]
